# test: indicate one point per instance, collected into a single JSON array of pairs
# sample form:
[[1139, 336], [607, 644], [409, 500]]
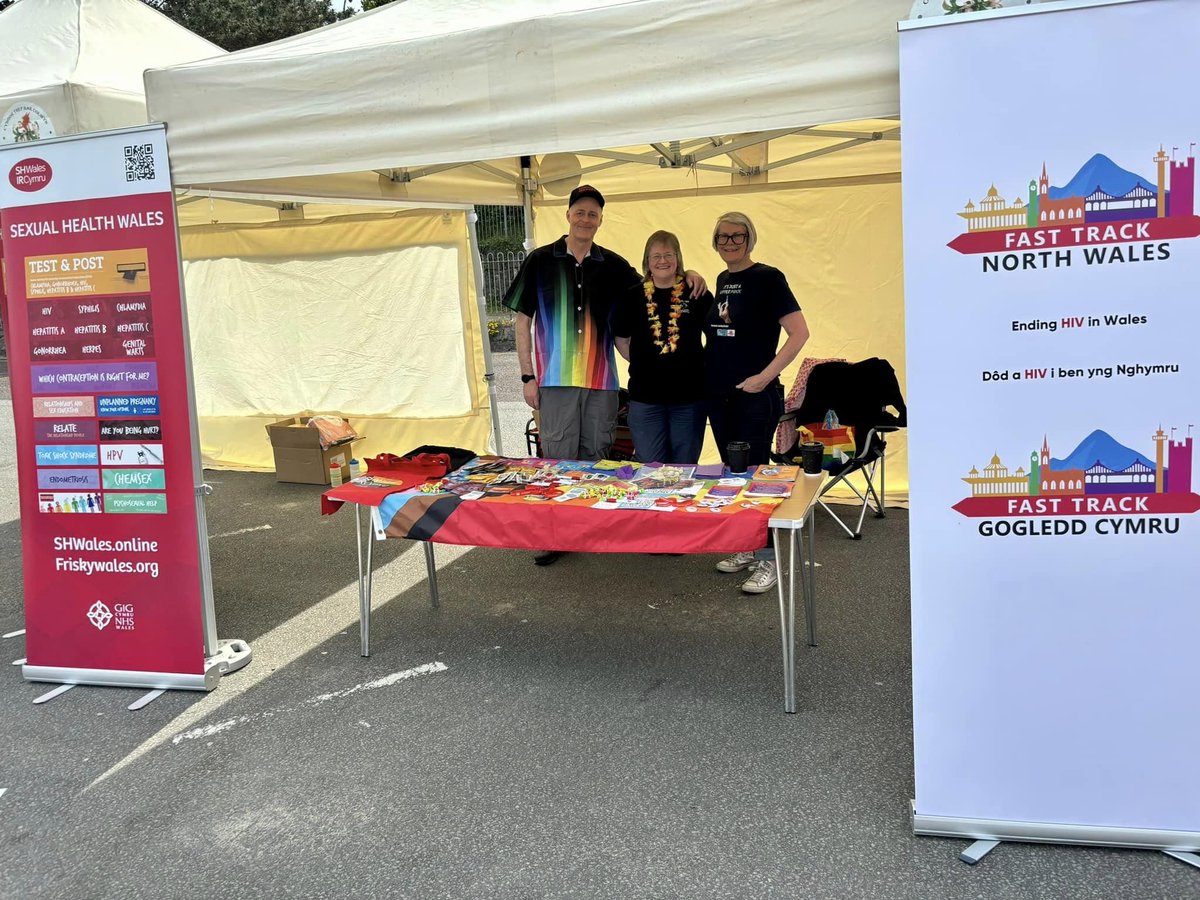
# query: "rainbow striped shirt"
[[572, 304]]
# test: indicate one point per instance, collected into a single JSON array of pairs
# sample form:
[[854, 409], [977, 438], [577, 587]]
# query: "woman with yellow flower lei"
[[657, 328]]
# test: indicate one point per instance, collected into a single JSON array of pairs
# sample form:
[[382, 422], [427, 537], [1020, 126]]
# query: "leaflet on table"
[[605, 485]]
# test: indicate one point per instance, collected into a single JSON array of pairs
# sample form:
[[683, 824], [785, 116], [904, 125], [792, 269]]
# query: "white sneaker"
[[737, 563], [763, 579]]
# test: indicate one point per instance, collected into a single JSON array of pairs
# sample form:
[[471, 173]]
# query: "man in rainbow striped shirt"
[[564, 297]]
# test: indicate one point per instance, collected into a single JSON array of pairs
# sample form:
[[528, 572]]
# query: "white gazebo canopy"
[[81, 61]]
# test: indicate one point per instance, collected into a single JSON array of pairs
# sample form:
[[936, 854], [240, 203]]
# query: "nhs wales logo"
[[100, 615], [1104, 214]]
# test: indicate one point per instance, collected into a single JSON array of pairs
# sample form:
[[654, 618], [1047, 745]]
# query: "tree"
[[237, 24]]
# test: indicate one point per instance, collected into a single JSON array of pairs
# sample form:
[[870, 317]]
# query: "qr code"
[[139, 162]]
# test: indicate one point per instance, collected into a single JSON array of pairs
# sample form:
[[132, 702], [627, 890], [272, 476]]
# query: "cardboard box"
[[299, 457]]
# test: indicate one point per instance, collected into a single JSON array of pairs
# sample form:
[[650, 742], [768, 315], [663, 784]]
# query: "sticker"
[[135, 479], [68, 479], [25, 123], [131, 455], [72, 430], [136, 405], [69, 503], [130, 430], [726, 332], [155, 504], [63, 407], [95, 376], [66, 454]]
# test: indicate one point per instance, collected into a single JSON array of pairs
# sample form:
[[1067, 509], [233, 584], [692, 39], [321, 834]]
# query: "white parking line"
[[241, 531], [387, 681]]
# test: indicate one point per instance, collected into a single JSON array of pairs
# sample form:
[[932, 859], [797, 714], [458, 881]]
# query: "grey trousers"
[[576, 423]]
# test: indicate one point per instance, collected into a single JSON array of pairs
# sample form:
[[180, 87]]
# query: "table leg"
[[431, 568], [792, 537], [787, 634], [364, 610], [808, 563]]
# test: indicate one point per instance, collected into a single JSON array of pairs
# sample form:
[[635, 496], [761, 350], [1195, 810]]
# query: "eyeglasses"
[[736, 239], [662, 257]]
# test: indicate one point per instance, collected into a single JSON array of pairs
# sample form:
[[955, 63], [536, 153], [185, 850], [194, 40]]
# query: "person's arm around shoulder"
[[524, 335], [623, 317], [797, 334], [696, 282]]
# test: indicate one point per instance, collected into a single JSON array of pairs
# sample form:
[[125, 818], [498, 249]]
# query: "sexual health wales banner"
[[106, 455], [1052, 266]]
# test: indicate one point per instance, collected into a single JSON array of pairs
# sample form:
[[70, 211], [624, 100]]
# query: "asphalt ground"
[[610, 726]]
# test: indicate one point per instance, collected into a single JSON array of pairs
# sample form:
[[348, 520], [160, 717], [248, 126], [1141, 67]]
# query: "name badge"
[[726, 332]]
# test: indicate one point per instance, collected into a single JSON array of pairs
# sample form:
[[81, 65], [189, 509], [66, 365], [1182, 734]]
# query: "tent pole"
[[527, 201], [489, 374]]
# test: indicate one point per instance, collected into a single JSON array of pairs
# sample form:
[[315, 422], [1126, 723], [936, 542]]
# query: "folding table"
[[546, 525]]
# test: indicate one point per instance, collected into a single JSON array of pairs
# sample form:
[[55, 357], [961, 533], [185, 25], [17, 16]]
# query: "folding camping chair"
[[622, 446], [859, 394]]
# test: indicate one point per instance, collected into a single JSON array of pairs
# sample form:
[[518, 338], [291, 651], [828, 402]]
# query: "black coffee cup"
[[812, 454], [738, 454]]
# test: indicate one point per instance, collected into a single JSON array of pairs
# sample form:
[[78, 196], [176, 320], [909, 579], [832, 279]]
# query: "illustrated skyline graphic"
[[1102, 202], [1098, 466]]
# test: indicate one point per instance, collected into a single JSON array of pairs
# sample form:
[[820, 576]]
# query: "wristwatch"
[[525, 379]]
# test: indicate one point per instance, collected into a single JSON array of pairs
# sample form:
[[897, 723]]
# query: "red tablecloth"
[[527, 517]]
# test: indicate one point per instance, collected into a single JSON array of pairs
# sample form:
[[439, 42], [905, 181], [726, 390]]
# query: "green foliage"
[[237, 24], [497, 243]]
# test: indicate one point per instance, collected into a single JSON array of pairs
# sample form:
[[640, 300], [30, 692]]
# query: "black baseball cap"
[[585, 190]]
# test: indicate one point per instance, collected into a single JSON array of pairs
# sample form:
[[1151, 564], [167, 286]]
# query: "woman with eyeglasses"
[[742, 362], [657, 327]]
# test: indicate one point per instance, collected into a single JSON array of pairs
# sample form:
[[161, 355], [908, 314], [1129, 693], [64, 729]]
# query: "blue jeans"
[[667, 433]]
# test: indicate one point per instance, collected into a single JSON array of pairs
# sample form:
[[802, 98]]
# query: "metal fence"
[[501, 231], [499, 269], [504, 224]]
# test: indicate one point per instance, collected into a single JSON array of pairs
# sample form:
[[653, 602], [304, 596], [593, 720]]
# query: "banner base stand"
[[977, 851], [1179, 844], [47, 697], [1190, 858], [118, 678], [230, 656], [145, 699]]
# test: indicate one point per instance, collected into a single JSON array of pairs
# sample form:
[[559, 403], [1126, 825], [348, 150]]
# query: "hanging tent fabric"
[[79, 63], [676, 111]]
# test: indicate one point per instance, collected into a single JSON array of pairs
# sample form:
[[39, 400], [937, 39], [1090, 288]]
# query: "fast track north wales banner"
[[101, 403], [1052, 266]]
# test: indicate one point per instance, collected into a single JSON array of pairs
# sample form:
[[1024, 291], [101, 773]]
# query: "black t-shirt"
[[741, 335], [654, 376]]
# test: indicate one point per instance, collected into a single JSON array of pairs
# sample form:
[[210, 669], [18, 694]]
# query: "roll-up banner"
[[106, 456], [1052, 269]]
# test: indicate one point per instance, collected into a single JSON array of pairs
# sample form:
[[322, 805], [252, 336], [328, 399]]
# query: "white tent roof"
[[81, 61], [423, 83]]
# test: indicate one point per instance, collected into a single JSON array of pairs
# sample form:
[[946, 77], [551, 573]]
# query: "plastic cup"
[[738, 454], [812, 454]]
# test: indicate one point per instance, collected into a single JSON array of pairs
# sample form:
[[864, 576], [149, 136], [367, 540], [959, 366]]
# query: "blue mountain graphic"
[[1101, 172], [1099, 447]]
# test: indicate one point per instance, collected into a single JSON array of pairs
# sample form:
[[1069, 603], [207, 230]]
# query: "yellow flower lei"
[[656, 323]]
